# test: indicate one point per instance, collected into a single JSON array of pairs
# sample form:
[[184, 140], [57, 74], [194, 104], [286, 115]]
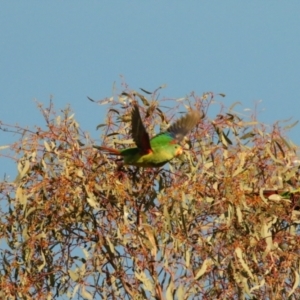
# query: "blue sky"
[[73, 49]]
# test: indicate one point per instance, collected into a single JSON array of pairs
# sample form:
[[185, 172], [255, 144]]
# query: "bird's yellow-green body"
[[162, 152]]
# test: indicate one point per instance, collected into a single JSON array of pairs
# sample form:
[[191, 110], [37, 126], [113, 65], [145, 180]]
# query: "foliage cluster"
[[220, 222]]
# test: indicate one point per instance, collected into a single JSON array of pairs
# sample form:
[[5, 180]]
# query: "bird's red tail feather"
[[108, 150]]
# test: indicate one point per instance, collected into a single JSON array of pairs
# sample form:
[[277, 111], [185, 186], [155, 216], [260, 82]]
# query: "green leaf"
[[47, 146], [74, 275], [296, 283], [180, 293], [241, 156], [143, 99], [170, 289], [85, 294], [113, 110], [280, 148], [281, 162], [112, 134], [23, 168], [148, 283], [110, 244], [247, 135], [4, 147], [40, 267], [187, 257], [151, 237], [291, 125], [21, 196], [207, 263], [149, 93], [225, 140], [91, 99], [239, 254], [233, 105], [100, 125]]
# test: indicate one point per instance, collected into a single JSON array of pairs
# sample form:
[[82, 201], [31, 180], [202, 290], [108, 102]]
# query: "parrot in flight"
[[161, 148]]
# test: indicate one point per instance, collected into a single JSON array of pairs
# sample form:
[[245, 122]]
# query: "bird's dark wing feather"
[[139, 133], [184, 125]]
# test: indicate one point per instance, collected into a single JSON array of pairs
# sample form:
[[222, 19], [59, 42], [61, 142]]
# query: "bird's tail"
[[111, 151]]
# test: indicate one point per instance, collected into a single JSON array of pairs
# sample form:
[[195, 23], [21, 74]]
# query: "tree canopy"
[[219, 222]]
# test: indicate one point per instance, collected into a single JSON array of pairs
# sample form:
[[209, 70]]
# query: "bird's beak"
[[179, 151]]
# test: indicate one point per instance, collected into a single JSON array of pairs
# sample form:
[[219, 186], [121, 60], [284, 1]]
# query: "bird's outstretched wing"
[[184, 125], [138, 131]]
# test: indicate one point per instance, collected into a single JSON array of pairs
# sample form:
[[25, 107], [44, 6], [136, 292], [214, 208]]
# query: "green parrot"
[[161, 148]]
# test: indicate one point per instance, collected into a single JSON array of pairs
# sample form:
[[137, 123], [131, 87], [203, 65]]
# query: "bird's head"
[[177, 150]]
